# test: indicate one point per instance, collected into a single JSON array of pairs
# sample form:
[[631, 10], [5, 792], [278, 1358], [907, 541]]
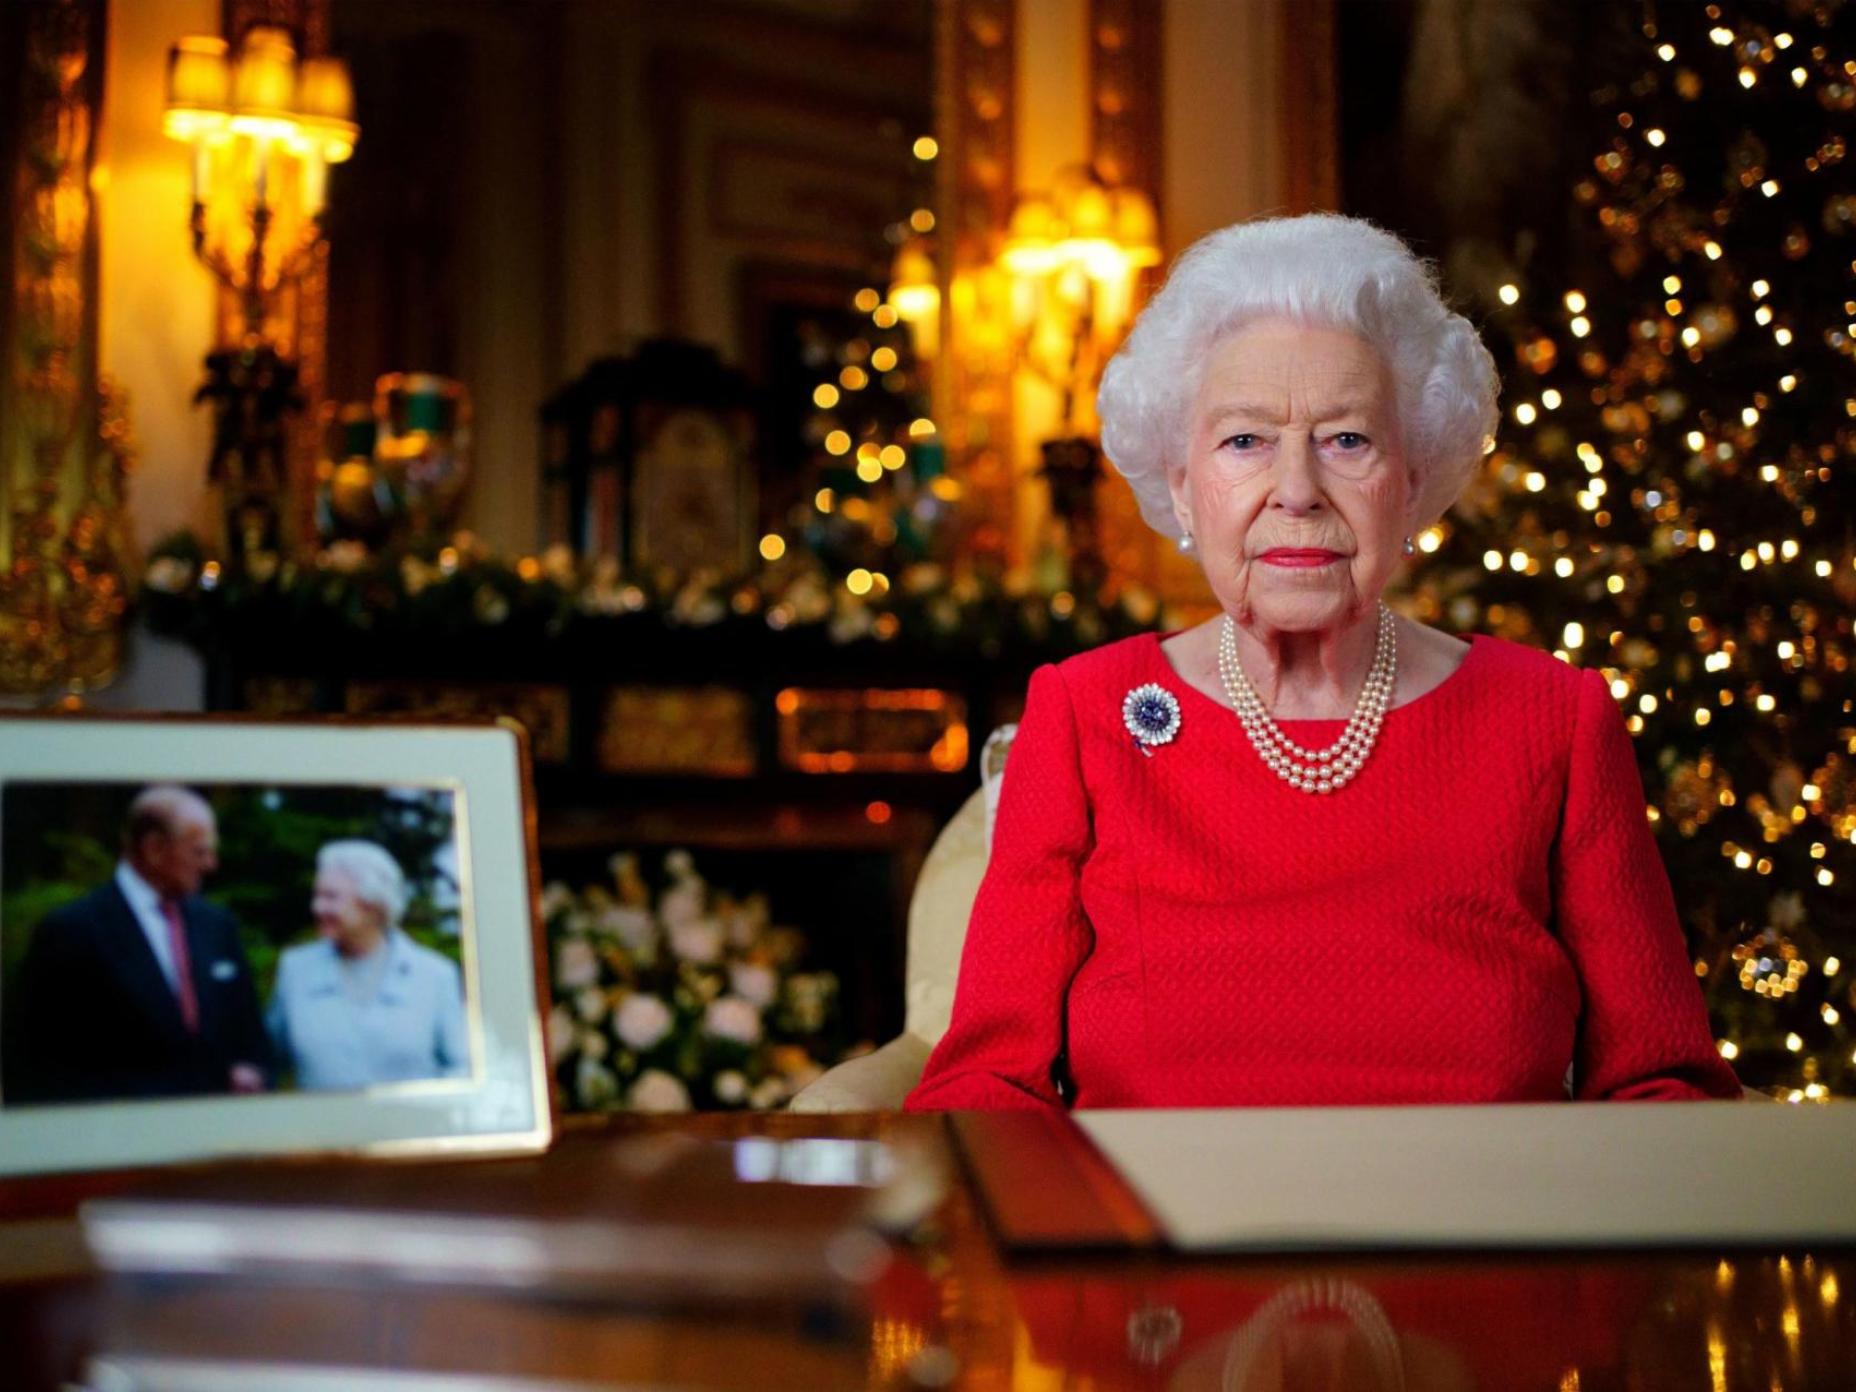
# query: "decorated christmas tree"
[[1672, 497], [878, 491], [875, 455]]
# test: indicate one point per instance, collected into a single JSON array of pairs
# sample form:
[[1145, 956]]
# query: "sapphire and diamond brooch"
[[1151, 713]]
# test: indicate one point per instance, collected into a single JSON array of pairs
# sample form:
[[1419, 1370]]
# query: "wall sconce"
[[915, 295], [1075, 255], [264, 129]]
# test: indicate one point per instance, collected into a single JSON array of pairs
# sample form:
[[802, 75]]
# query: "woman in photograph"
[[365, 1004], [1312, 851]]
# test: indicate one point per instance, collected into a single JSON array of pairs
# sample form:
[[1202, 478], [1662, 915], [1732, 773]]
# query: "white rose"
[[633, 927], [768, 1093], [681, 903], [699, 941], [738, 924], [561, 1030], [555, 898], [643, 1021], [731, 1017], [657, 1091], [731, 1087], [590, 1004], [757, 982], [595, 1084], [576, 964]]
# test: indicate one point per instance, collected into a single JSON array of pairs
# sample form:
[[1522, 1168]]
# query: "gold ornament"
[[1746, 160], [1538, 354], [1636, 653], [1769, 964], [1843, 576], [1692, 794], [1840, 214], [1787, 787], [1835, 780], [1715, 323], [1627, 418]]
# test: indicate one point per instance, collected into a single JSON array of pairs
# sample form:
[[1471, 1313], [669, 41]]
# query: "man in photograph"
[[141, 987]]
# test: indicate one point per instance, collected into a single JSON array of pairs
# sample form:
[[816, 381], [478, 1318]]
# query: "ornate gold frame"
[[975, 77], [66, 449]]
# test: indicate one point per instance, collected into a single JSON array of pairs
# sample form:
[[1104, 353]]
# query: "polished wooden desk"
[[954, 1311]]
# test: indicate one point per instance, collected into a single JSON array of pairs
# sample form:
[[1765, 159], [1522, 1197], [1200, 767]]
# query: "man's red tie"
[[183, 966]]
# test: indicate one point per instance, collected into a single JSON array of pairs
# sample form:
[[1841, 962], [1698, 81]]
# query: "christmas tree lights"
[[1671, 493]]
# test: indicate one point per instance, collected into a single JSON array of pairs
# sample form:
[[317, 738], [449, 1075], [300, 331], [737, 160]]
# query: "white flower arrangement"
[[686, 999]]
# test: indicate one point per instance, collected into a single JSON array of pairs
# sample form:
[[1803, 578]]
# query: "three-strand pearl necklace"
[[1324, 770]]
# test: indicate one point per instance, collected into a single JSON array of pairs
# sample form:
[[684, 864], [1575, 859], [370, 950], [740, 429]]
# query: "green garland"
[[465, 588]]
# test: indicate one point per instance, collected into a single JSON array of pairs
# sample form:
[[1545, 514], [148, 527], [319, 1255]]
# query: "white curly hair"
[[375, 874], [1319, 268]]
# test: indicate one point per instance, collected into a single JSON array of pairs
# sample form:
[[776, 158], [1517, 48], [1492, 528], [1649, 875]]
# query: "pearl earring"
[[1185, 543], [1410, 550]]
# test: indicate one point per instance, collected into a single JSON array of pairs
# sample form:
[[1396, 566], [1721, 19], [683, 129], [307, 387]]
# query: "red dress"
[[1481, 915]]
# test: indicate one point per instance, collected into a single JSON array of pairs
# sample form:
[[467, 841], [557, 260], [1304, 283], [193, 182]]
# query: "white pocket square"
[[224, 971]]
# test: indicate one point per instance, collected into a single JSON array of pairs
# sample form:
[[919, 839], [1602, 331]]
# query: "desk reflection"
[[1442, 1325]]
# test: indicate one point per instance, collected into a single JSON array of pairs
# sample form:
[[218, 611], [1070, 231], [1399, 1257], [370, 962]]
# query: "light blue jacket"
[[412, 1028]]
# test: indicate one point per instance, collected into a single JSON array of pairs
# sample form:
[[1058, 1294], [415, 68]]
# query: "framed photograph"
[[242, 937]]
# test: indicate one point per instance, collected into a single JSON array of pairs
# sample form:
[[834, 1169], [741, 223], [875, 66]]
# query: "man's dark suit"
[[97, 1019]]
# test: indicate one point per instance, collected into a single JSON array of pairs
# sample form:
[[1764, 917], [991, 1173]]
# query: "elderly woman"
[[365, 1004], [1311, 851]]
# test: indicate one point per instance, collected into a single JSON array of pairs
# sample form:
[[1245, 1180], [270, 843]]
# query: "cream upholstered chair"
[[939, 907]]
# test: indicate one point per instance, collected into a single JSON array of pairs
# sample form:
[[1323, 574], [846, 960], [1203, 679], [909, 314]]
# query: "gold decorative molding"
[[1124, 94], [97, 550], [1125, 148], [975, 78], [62, 600]]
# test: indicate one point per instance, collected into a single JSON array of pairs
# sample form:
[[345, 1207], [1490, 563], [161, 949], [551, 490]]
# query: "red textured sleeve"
[[1643, 1029], [1028, 933]]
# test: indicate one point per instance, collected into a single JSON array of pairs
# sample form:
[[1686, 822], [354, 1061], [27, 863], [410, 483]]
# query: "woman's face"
[[1295, 447], [352, 924]]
